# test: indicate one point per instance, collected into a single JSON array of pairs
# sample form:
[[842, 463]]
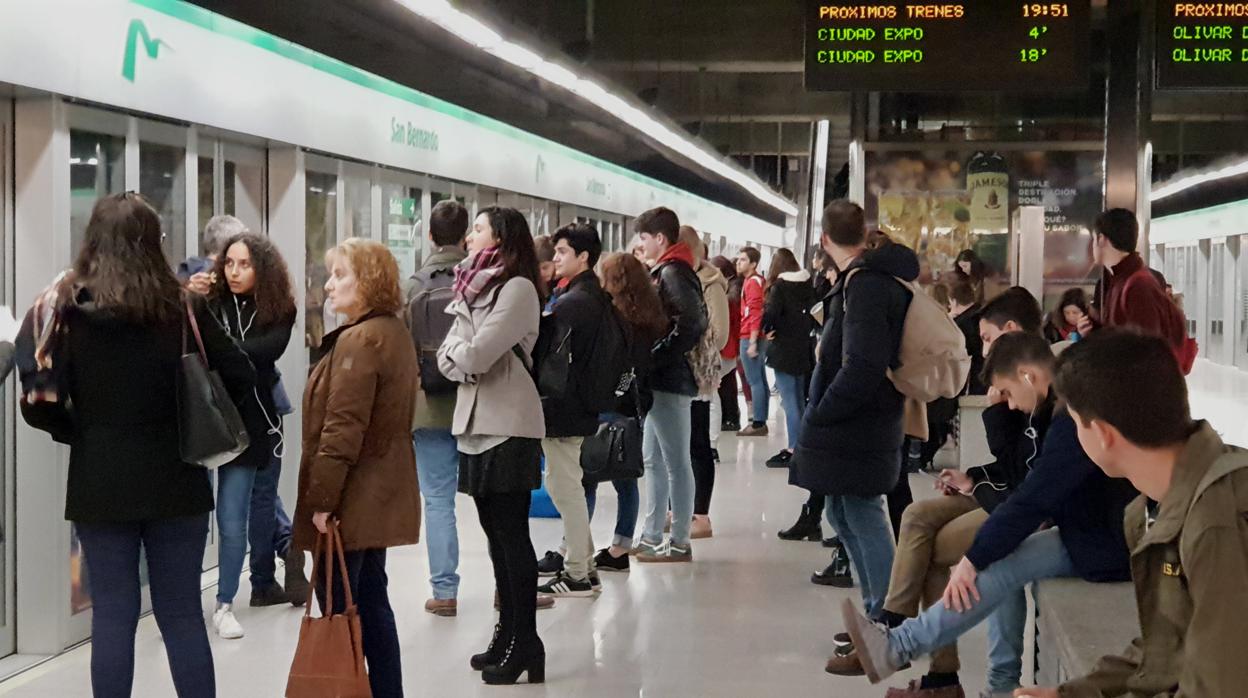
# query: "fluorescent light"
[[75, 161], [1235, 170], [475, 32]]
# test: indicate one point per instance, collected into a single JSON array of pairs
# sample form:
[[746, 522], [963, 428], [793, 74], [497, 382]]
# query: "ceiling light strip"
[[1239, 168], [473, 31]]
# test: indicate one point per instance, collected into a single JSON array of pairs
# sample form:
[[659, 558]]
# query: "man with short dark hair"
[[1064, 486], [1187, 532], [574, 315], [1129, 292], [753, 344], [437, 454], [1015, 310], [669, 470], [849, 448]]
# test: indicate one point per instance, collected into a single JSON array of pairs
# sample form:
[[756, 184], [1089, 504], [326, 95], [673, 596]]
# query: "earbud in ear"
[[1027, 378]]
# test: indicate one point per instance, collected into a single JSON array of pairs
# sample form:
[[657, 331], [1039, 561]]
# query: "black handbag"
[[211, 432], [614, 452]]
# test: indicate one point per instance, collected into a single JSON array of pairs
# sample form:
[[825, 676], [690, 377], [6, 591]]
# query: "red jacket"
[[752, 306], [1133, 298]]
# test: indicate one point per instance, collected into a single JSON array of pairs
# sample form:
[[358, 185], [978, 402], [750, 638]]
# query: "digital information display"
[[973, 45], [1202, 45]]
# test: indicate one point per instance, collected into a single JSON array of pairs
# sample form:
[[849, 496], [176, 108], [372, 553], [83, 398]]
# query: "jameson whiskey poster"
[[942, 202]]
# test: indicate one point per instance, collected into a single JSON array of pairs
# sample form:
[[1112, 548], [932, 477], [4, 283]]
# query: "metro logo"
[[137, 31]]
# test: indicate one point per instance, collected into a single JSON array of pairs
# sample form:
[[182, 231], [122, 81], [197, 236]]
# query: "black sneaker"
[[730, 426], [836, 574], [715, 454], [550, 565], [595, 581], [271, 595], [605, 562], [563, 585], [780, 460]]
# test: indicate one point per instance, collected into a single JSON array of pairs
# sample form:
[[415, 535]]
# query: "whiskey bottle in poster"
[[988, 185]]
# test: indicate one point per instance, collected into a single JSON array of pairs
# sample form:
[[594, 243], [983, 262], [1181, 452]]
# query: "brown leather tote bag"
[[329, 660]]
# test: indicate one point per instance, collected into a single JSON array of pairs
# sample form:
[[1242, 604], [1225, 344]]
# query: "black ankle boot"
[[492, 654], [519, 657], [806, 528]]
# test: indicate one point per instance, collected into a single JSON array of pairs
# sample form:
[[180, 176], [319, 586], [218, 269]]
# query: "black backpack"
[[608, 376], [429, 324]]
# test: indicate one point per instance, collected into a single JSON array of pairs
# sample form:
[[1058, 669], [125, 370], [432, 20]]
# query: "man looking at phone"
[[936, 533]]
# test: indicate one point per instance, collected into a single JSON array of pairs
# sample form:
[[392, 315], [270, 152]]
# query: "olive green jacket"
[[1190, 569]]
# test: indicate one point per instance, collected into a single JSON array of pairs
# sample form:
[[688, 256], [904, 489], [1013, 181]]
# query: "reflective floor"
[[742, 620]]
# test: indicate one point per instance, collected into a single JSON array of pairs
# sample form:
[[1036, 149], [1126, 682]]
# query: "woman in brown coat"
[[358, 464]]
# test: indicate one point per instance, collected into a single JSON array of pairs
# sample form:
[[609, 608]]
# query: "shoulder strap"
[[199, 340], [1226, 464]]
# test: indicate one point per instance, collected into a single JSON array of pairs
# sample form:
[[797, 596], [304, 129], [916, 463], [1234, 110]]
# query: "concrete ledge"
[[1080, 622], [972, 439]]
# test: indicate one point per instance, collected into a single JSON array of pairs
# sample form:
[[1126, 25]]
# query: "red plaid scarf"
[[476, 273]]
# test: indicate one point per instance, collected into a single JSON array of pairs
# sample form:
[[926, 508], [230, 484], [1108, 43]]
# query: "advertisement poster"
[[942, 202]]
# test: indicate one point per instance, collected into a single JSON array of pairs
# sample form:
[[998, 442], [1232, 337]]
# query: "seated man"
[[1187, 533], [935, 533], [1064, 487]]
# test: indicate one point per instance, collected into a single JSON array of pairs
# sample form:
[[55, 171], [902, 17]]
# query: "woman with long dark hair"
[[1064, 320], [787, 324], [252, 297], [635, 298], [970, 267], [107, 337], [499, 423]]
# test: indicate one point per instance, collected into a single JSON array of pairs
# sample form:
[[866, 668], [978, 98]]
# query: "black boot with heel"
[[492, 654], [519, 657]]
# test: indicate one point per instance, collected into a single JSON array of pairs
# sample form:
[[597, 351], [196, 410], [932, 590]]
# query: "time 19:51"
[[1054, 9]]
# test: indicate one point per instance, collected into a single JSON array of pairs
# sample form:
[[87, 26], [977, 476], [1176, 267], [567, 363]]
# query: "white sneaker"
[[226, 624]]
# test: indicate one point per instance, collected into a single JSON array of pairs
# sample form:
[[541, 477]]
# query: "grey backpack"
[[429, 323]]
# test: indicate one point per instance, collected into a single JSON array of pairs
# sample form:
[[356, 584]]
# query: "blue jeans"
[[366, 573], [625, 509], [756, 374], [863, 527], [1041, 556], [234, 484], [793, 397], [268, 527], [175, 551], [437, 465], [669, 470]]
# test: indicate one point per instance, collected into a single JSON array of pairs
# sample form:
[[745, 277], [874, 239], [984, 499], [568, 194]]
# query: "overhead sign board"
[[1202, 45], [972, 45]]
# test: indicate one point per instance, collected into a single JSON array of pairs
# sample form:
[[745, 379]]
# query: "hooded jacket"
[[680, 291], [787, 314], [1067, 488], [852, 429]]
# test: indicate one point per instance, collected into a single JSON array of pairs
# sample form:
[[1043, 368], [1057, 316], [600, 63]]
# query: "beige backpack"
[[933, 359]]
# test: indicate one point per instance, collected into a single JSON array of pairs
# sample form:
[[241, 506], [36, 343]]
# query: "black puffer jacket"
[[1015, 440], [681, 294], [852, 430], [264, 345], [576, 313], [787, 313]]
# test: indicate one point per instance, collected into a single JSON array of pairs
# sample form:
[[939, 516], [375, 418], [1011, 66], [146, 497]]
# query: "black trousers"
[[366, 572], [728, 398], [505, 518], [901, 496], [702, 457]]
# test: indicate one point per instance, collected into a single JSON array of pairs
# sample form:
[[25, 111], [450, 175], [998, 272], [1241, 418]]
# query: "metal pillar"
[[1128, 109]]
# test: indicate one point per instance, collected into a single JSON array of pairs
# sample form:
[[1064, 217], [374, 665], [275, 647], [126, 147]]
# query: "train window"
[[97, 168], [162, 180], [320, 235]]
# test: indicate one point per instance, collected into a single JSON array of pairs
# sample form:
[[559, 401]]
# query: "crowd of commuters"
[[504, 357]]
